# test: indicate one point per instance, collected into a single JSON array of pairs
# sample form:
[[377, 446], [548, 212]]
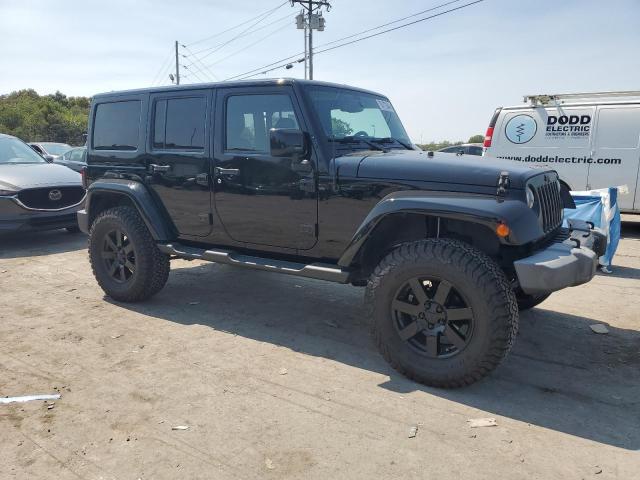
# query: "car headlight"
[[5, 193], [531, 198]]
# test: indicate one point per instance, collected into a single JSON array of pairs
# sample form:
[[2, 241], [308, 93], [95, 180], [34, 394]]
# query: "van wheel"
[[124, 258], [443, 313], [527, 302]]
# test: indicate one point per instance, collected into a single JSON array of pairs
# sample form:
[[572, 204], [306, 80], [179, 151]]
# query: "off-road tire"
[[152, 266], [475, 275], [527, 302]]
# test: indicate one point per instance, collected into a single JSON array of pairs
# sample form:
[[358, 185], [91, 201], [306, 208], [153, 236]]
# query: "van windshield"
[[351, 115]]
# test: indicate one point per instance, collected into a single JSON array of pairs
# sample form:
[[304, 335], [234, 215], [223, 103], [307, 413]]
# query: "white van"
[[591, 139]]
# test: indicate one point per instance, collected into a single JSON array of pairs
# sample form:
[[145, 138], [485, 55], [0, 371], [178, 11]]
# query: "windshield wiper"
[[353, 139], [393, 140]]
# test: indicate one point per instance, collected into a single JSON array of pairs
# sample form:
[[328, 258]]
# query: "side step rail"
[[321, 271]]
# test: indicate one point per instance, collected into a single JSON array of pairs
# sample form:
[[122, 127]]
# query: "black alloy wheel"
[[433, 317], [118, 256]]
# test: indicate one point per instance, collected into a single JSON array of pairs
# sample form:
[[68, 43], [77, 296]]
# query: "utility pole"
[[313, 21], [177, 65]]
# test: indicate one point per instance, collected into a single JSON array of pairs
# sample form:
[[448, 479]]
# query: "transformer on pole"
[[309, 21]]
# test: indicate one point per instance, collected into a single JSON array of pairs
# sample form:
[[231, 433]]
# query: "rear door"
[[179, 157], [616, 152]]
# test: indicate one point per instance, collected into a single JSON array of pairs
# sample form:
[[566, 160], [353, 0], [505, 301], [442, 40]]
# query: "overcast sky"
[[445, 76]]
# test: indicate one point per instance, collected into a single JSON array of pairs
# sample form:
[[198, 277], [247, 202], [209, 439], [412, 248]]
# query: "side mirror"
[[289, 143]]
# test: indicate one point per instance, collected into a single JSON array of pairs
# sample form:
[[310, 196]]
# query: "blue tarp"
[[601, 208]]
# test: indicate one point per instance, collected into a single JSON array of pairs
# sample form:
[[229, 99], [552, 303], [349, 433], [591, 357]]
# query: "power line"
[[193, 72], [232, 39], [163, 67], [390, 23], [191, 55], [260, 70], [343, 38], [248, 46], [238, 25], [250, 33], [401, 26]]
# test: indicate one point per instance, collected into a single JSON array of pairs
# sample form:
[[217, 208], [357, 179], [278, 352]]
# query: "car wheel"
[[443, 313], [124, 257]]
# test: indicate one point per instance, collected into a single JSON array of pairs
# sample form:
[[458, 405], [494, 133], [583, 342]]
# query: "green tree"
[[34, 118], [476, 139], [340, 128]]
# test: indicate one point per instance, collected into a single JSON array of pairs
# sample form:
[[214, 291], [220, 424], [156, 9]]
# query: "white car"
[[591, 139]]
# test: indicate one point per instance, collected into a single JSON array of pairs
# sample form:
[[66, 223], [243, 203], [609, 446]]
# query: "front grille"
[[51, 198], [550, 203]]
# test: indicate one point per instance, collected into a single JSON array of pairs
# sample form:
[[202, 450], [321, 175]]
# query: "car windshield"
[[352, 115], [56, 148], [13, 150]]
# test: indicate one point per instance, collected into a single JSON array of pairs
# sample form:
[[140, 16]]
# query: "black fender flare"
[[152, 213], [484, 210]]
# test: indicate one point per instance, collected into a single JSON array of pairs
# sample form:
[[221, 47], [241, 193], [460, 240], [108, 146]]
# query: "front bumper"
[[566, 263], [15, 218]]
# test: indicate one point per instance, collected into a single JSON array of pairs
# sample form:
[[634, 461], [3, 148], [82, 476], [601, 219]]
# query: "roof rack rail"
[[545, 99]]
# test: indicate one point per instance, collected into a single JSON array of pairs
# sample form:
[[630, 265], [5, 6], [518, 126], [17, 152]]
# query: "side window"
[[249, 118], [116, 126], [473, 150], [75, 155], [179, 124]]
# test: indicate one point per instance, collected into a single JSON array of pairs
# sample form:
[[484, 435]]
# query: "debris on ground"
[[180, 427], [597, 470], [283, 371], [29, 398], [269, 464], [482, 422], [116, 336], [194, 303], [331, 323], [413, 431], [599, 328]]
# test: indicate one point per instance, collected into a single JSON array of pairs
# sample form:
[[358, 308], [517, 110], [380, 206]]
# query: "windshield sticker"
[[385, 105]]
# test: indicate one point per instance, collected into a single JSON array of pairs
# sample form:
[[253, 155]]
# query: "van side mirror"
[[289, 143]]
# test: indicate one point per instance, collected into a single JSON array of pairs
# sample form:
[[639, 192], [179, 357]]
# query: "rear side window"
[[179, 124], [116, 126]]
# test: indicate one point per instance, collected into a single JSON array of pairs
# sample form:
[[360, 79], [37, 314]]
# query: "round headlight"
[[531, 198]]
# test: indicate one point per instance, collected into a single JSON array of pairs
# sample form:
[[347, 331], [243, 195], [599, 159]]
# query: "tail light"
[[487, 137], [83, 175]]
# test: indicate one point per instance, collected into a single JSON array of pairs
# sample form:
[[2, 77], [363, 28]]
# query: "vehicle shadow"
[[630, 227], [560, 375], [30, 244]]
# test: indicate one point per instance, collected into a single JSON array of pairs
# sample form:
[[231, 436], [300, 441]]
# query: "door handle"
[[227, 171], [159, 168]]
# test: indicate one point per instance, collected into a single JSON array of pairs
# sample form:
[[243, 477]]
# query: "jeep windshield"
[[354, 120]]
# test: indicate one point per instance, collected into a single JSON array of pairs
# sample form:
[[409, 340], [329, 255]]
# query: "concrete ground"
[[276, 377]]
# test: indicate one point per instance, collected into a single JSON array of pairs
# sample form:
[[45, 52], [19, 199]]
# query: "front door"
[[616, 151], [179, 162], [261, 199]]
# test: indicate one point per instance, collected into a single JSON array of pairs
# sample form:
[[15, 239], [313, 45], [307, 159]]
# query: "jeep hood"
[[18, 176], [446, 168]]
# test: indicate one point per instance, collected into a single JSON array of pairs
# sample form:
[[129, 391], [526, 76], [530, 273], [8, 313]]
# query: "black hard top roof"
[[236, 83]]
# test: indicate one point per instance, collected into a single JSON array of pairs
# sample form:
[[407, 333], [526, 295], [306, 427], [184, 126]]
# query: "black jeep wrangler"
[[321, 180]]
